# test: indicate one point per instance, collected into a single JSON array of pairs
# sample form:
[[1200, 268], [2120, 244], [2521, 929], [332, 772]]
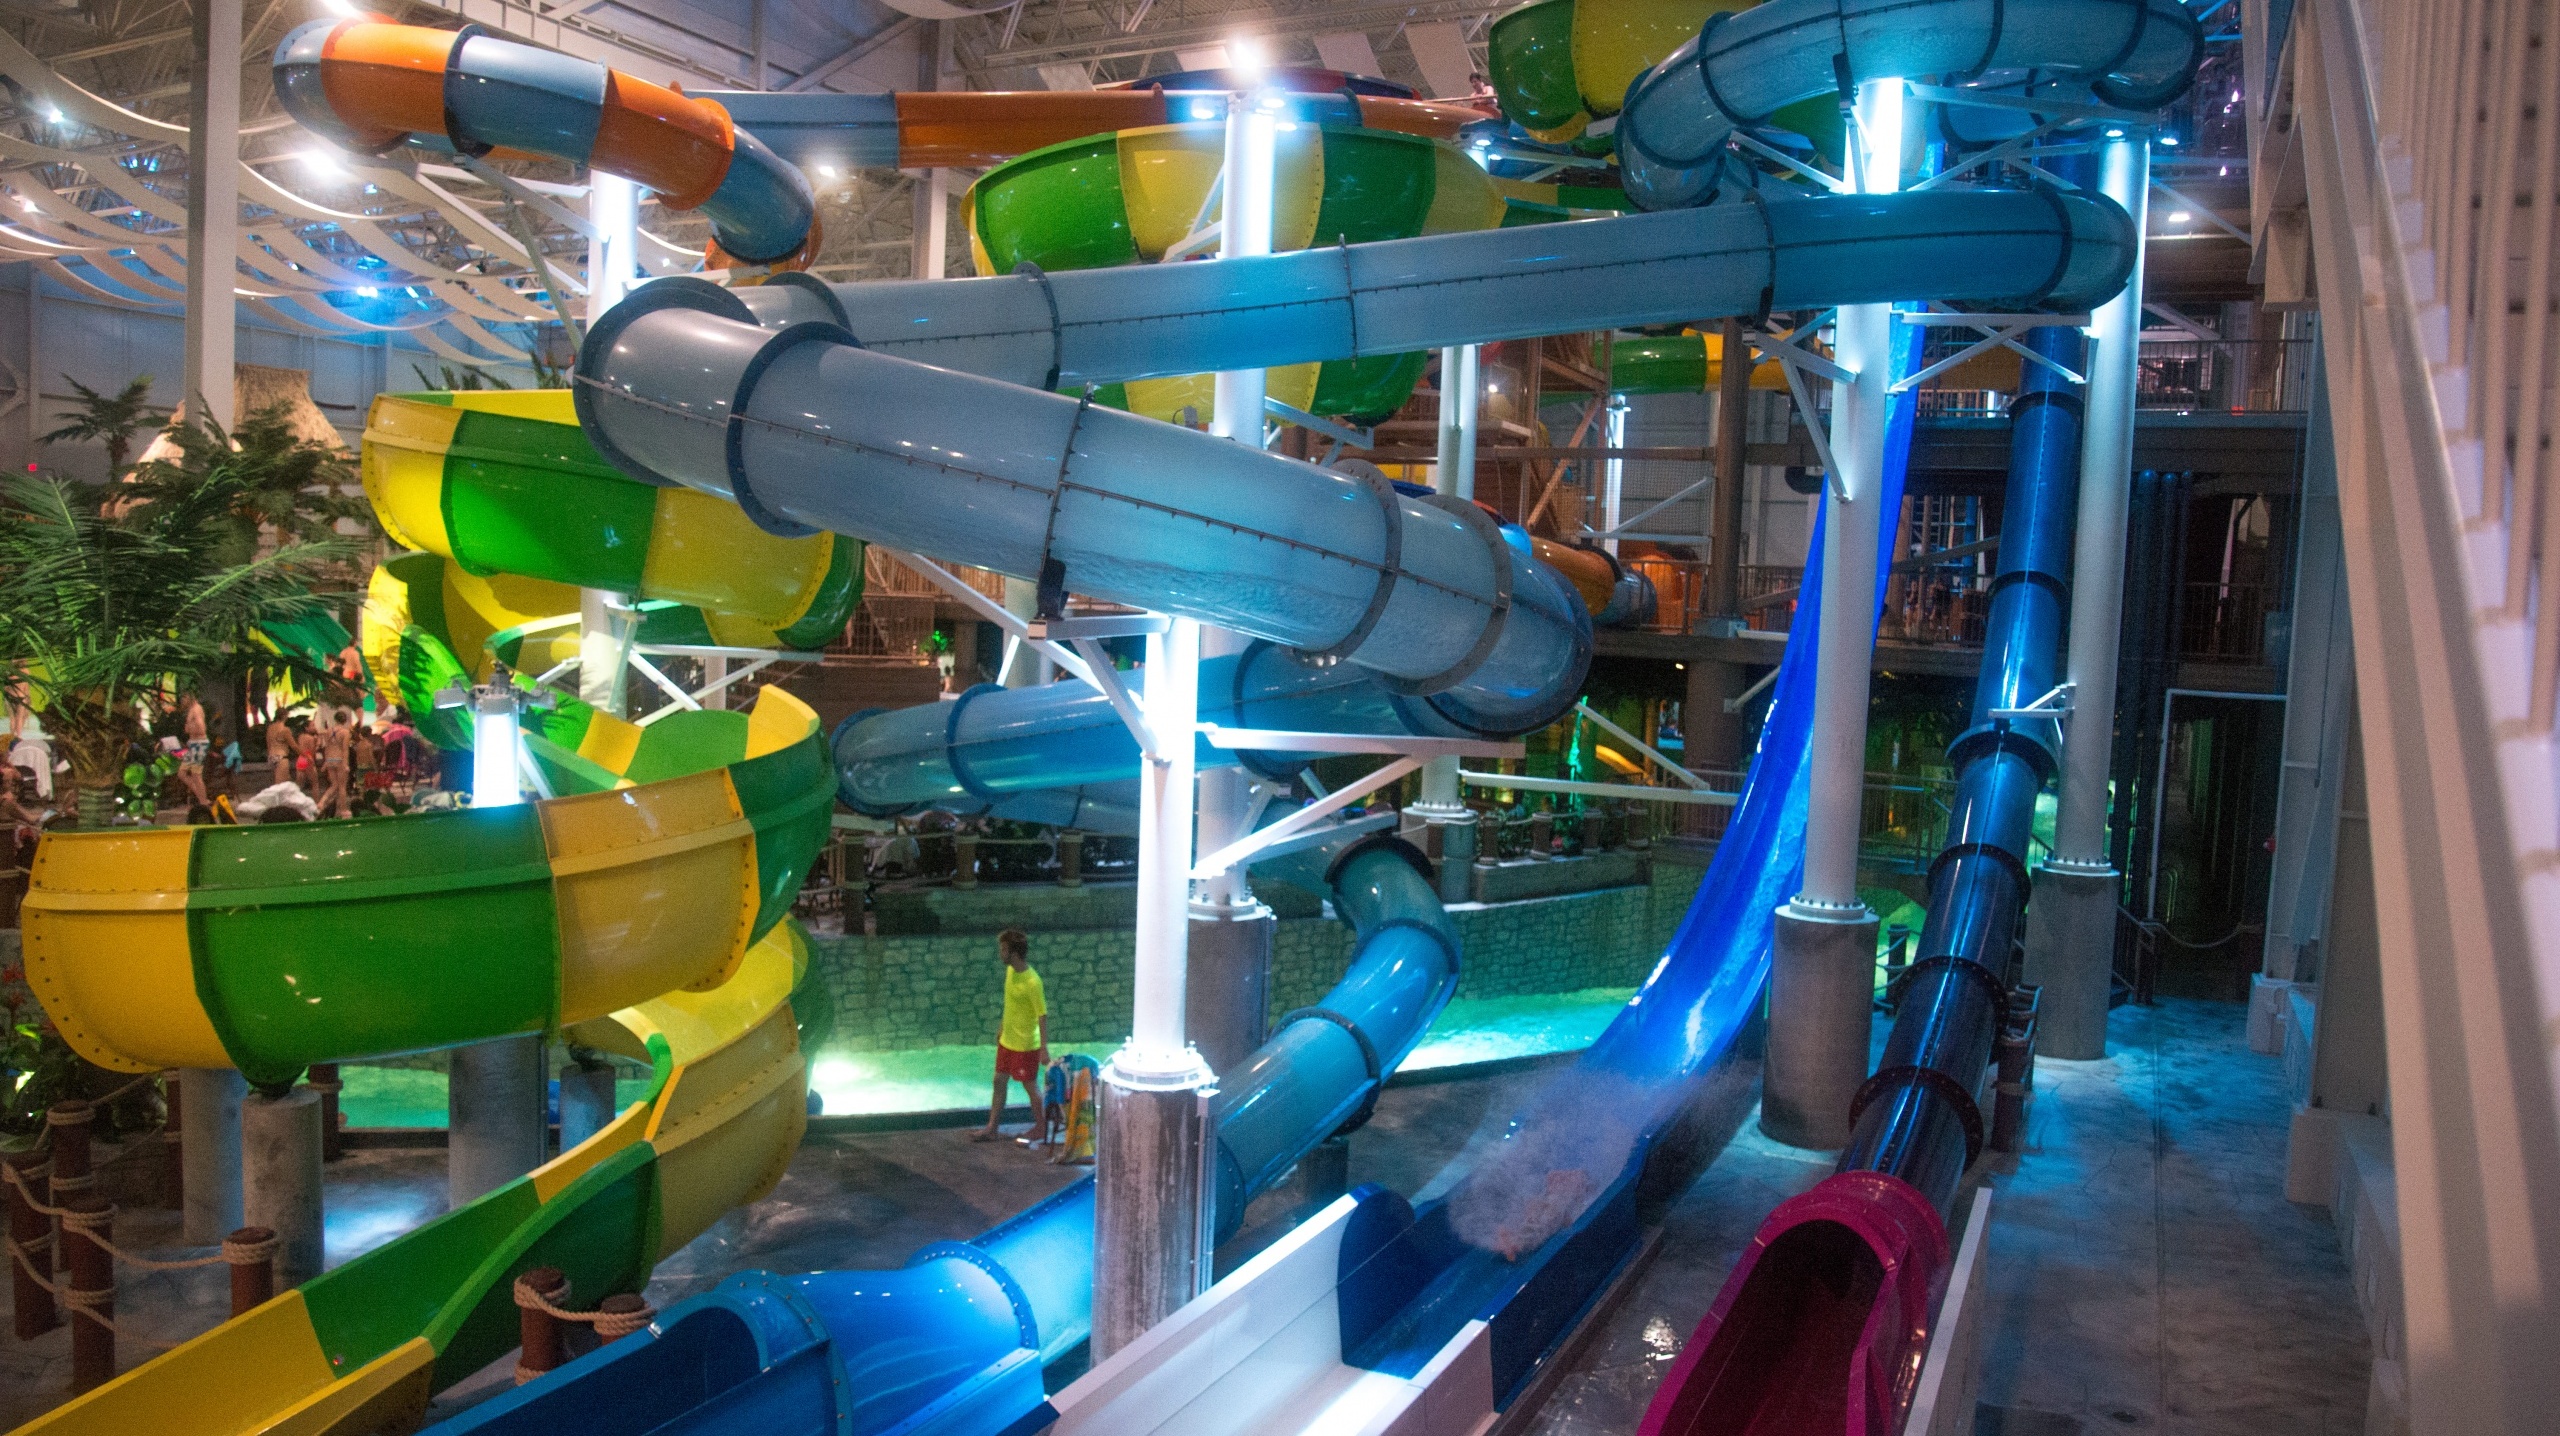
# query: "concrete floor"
[[2146, 1272]]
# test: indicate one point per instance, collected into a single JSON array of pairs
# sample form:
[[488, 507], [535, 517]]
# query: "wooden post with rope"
[[538, 1293], [88, 1227], [620, 1315], [30, 1246], [67, 1123], [251, 1252]]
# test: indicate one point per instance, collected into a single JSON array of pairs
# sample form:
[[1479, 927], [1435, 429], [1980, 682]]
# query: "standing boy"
[[1022, 1041]]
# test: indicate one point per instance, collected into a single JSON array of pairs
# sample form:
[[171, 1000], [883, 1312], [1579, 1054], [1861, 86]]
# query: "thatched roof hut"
[[259, 386]]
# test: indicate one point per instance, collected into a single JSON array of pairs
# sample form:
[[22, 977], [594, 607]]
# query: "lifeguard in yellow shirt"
[[1022, 1041]]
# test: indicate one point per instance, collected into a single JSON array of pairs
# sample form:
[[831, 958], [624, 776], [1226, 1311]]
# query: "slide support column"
[[1231, 931], [1822, 968], [493, 1115], [1449, 825], [280, 1151], [1152, 1166], [209, 1151], [2072, 914], [213, 224], [613, 208]]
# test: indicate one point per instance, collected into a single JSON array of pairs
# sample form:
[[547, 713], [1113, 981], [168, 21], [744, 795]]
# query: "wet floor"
[[2146, 1272]]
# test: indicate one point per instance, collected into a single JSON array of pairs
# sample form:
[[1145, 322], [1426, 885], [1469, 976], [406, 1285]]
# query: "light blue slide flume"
[[922, 415]]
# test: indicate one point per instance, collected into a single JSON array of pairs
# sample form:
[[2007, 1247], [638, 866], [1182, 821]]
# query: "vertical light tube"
[[1852, 527], [1252, 156], [613, 264], [613, 256], [2106, 487], [493, 752], [1252, 161], [1613, 487]]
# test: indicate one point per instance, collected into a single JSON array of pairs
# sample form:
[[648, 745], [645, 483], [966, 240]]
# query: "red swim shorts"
[[1022, 1067]]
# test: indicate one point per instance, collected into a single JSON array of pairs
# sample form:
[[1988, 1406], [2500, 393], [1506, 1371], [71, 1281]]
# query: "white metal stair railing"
[[2420, 155]]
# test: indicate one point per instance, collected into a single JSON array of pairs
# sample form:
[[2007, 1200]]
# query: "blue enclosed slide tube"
[[955, 1341], [1035, 754], [1746, 65], [2007, 248]]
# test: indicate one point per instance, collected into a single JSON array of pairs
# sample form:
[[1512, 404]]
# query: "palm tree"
[[282, 484], [107, 610], [109, 419]]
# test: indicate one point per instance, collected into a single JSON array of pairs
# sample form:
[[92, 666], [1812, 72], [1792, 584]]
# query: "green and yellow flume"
[[671, 850], [1130, 196], [362, 1347], [1557, 65], [504, 486]]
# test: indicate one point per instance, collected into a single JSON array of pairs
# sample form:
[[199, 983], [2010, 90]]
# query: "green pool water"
[[935, 1079]]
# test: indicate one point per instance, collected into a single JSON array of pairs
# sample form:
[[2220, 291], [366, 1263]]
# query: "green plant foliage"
[[114, 602], [274, 482], [109, 419]]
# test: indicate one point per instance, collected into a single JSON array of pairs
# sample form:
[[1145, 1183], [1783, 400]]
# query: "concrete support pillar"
[[586, 1103], [2071, 953], [1822, 1004], [213, 221], [2071, 926], [494, 1115], [1227, 1001], [1151, 1203], [280, 1163], [209, 1149]]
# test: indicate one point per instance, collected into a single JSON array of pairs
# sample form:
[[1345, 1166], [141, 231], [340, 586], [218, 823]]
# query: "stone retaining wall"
[[942, 989]]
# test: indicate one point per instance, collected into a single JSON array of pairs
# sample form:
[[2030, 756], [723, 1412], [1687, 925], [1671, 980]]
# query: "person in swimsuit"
[[336, 801], [280, 749], [199, 742]]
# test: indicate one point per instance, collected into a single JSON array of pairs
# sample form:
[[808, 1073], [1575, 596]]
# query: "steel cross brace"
[[2003, 330]]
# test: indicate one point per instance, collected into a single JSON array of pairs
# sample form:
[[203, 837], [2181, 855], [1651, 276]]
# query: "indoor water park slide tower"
[[812, 431], [1515, 652]]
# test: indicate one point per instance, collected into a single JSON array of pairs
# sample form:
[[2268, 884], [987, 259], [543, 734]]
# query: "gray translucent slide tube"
[[805, 429], [2007, 248], [1024, 752], [1747, 65]]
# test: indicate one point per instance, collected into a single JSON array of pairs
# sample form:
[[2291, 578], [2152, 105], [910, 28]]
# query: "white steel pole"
[[213, 213], [1822, 967], [1614, 485], [2071, 920], [1450, 834], [1852, 527], [1231, 933], [2097, 572]]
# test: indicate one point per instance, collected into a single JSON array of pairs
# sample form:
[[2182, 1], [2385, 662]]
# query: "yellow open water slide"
[[643, 910]]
